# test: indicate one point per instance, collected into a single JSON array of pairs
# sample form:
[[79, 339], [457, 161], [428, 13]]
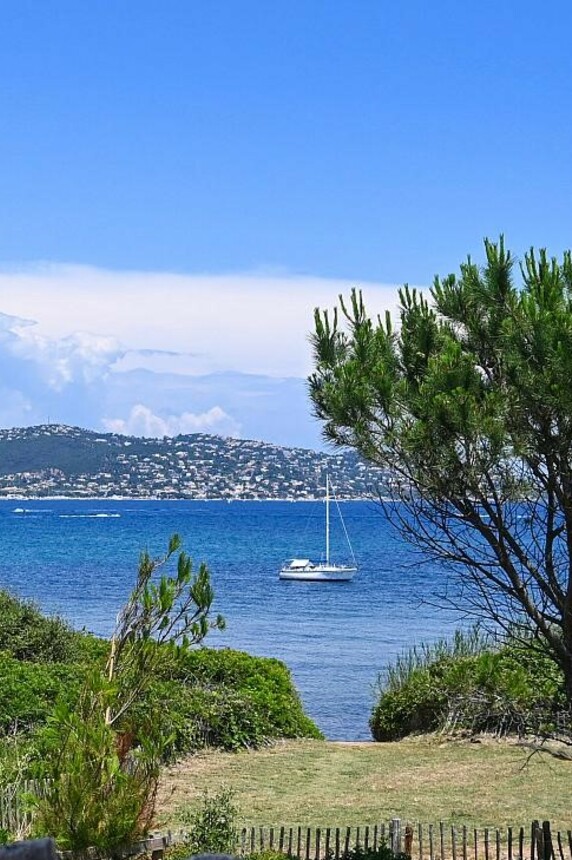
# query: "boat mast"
[[327, 518]]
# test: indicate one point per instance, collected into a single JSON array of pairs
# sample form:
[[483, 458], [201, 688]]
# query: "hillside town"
[[57, 460]]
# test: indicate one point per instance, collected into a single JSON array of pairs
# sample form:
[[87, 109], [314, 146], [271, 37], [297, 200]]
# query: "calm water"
[[78, 558]]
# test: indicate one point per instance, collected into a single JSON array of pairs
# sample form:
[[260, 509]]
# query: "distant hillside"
[[56, 460]]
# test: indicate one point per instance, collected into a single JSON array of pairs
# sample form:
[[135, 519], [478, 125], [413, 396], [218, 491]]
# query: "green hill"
[[50, 460]]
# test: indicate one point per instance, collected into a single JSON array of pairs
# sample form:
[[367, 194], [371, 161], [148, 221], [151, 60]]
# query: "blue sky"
[[243, 162]]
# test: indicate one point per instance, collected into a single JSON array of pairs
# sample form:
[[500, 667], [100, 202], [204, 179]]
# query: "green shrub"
[[29, 691], [27, 634], [231, 700], [512, 687], [90, 799], [382, 852], [220, 698], [417, 706], [212, 828]]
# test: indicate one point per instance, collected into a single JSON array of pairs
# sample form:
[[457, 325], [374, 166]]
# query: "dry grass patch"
[[334, 784]]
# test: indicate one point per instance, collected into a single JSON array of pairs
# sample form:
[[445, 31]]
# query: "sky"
[[183, 181]]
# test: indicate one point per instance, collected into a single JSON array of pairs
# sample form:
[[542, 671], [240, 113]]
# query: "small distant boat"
[[321, 571]]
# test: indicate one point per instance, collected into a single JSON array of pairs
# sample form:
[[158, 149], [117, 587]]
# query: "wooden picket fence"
[[15, 812], [419, 841]]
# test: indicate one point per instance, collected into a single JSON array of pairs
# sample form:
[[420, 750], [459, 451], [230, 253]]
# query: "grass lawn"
[[425, 779]]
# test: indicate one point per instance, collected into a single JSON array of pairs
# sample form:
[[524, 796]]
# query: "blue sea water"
[[78, 558]]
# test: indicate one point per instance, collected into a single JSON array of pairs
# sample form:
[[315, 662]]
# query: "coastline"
[[115, 498]]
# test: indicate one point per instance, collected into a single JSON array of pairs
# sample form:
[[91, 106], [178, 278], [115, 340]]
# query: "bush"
[[29, 691], [509, 688], [220, 698], [27, 634], [231, 700], [91, 800], [383, 852], [212, 828]]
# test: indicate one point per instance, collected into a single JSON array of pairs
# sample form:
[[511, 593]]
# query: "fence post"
[[533, 840], [395, 835], [408, 839], [547, 841]]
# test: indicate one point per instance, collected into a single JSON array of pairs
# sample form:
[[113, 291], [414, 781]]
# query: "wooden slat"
[[533, 837], [547, 841], [431, 848], [408, 843], [396, 835]]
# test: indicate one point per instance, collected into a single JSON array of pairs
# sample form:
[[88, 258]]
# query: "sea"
[[78, 559]]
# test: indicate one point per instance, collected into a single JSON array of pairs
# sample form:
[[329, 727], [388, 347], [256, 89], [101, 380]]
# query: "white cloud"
[[155, 353], [254, 323], [79, 356], [143, 422]]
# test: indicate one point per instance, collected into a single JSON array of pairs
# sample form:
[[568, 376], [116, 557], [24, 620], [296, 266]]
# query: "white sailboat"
[[324, 571]]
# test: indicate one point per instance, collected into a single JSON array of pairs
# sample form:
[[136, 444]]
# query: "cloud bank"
[[153, 353]]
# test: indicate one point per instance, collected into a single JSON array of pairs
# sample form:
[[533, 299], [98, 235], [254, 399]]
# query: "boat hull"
[[319, 573]]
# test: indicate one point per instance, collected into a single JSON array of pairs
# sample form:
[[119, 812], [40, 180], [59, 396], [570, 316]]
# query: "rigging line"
[[333, 489]]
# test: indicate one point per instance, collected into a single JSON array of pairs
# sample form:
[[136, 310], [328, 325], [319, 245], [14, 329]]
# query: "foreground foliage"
[[92, 799], [230, 700], [469, 406], [470, 683], [101, 754], [97, 718], [213, 827], [55, 718]]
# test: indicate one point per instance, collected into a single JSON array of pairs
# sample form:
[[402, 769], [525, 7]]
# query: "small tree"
[[159, 618], [102, 754], [468, 405]]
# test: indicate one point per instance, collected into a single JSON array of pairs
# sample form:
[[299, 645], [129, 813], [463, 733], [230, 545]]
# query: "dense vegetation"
[[210, 697], [470, 683], [468, 404]]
